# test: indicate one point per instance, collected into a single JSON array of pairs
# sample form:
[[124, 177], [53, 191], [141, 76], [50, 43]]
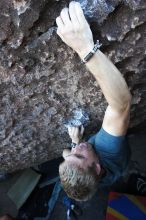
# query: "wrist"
[[73, 144], [91, 53], [82, 53], [75, 141]]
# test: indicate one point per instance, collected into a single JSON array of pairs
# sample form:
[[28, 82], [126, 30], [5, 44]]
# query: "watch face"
[[73, 145]]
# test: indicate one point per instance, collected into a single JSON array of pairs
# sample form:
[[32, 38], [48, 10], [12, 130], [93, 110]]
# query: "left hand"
[[76, 134], [74, 29]]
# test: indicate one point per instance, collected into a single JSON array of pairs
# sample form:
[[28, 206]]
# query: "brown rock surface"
[[42, 80]]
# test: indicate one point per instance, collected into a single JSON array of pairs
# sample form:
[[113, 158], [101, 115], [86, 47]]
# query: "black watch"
[[73, 145]]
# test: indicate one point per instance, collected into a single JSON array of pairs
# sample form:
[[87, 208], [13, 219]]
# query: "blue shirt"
[[114, 155]]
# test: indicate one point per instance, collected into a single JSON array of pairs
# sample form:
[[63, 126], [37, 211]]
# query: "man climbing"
[[103, 159]]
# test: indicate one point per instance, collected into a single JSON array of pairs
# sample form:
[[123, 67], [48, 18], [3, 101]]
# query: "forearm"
[[76, 33], [110, 81]]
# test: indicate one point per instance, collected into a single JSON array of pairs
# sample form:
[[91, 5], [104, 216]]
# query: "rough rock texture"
[[42, 80]]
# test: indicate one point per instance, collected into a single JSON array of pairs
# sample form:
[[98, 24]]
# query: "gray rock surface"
[[42, 81]]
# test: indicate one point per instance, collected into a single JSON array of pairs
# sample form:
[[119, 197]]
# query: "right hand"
[[74, 30], [76, 134]]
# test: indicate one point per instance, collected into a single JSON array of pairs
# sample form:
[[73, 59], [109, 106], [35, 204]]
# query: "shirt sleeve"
[[114, 154], [114, 151], [109, 143]]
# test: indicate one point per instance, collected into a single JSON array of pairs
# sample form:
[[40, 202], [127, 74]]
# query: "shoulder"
[[110, 147], [114, 151], [114, 154], [109, 143], [116, 122]]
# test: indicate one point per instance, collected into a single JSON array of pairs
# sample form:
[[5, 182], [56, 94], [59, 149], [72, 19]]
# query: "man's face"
[[83, 155]]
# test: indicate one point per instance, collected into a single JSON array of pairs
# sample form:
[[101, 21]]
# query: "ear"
[[66, 152], [98, 168]]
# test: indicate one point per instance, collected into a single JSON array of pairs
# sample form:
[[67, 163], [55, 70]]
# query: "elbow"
[[127, 103], [129, 99]]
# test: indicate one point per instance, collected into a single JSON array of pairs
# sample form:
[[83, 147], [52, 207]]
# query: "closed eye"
[[79, 156]]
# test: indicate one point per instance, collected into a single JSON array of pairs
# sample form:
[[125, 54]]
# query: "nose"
[[82, 146]]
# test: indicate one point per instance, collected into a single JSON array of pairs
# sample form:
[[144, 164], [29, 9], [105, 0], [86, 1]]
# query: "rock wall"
[[42, 80]]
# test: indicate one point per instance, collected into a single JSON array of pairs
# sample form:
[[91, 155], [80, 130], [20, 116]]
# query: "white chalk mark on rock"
[[21, 6]]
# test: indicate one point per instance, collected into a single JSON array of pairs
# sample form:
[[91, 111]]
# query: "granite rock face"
[[42, 81]]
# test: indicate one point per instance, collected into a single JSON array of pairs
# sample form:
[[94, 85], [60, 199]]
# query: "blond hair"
[[79, 184]]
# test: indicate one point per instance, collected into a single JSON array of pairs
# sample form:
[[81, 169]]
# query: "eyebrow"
[[77, 155]]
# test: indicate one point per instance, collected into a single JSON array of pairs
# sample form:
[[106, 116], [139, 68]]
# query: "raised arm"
[[115, 90], [76, 33]]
